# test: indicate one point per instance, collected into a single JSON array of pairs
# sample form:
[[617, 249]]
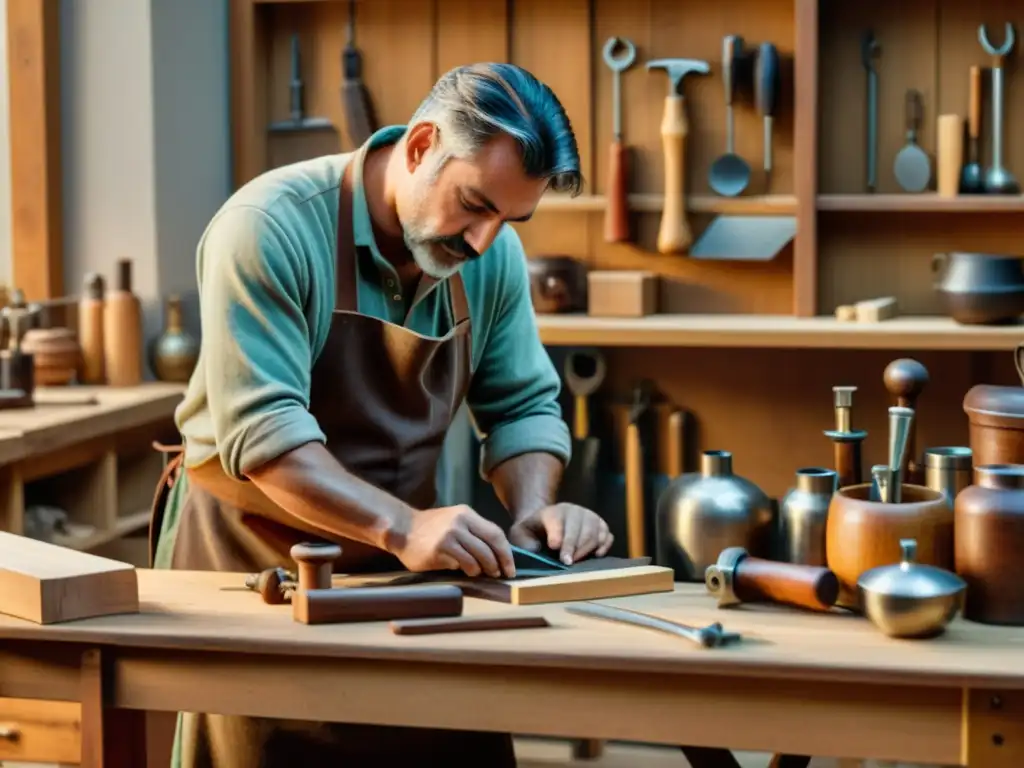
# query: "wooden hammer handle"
[[616, 214], [636, 529], [674, 233], [803, 586]]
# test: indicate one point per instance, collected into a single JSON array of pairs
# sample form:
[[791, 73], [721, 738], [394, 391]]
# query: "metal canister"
[[803, 514], [948, 470]]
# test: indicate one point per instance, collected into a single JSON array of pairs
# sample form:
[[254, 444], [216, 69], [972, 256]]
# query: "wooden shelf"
[[929, 203], [125, 526], [773, 331], [754, 205]]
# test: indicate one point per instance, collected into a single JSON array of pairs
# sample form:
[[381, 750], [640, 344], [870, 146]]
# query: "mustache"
[[457, 244]]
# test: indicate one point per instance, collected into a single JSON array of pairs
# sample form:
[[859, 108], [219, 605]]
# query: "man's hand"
[[575, 532], [456, 538]]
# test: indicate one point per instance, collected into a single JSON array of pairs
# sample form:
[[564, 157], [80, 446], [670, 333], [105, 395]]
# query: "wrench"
[[998, 180], [869, 50], [618, 63], [711, 636]]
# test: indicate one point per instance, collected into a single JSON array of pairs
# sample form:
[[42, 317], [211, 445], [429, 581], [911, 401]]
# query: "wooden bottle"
[[122, 331], [90, 329]]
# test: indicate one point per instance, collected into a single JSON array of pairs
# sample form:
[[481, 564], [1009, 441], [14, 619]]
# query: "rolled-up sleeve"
[[256, 339], [514, 393]]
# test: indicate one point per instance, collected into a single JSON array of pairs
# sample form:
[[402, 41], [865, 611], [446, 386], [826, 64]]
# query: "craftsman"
[[349, 305]]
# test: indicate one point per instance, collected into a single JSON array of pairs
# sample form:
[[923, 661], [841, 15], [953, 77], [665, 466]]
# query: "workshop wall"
[[767, 406]]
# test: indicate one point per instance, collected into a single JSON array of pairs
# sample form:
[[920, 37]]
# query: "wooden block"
[[47, 584], [876, 310], [586, 585], [847, 313], [615, 293]]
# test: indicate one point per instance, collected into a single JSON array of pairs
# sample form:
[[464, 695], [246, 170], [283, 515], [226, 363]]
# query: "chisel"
[[359, 118], [766, 94]]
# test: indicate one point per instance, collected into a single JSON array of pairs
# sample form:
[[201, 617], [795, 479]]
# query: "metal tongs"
[[711, 636]]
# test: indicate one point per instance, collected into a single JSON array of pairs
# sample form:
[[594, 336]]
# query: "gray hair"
[[472, 104]]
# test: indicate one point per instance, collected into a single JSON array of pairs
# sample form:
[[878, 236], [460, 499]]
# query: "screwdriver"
[[766, 96]]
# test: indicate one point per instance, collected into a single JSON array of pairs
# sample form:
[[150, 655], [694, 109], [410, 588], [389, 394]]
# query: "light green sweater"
[[266, 272]]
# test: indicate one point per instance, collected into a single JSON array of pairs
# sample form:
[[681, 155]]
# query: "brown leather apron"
[[384, 396]]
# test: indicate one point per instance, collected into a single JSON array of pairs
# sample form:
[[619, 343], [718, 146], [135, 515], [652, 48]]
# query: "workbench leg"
[[111, 738], [994, 729], [587, 749]]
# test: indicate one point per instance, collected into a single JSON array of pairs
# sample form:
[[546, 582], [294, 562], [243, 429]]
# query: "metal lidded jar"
[[803, 514], [910, 599]]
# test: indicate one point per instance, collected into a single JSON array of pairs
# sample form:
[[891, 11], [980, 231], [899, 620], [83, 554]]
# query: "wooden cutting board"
[[45, 583]]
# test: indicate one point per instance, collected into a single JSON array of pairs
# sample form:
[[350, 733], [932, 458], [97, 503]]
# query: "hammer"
[[674, 233]]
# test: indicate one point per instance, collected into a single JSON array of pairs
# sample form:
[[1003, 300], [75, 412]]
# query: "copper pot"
[[557, 284], [862, 534], [996, 418], [989, 541]]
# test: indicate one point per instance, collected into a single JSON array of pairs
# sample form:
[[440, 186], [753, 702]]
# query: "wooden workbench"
[[92, 460], [801, 684]]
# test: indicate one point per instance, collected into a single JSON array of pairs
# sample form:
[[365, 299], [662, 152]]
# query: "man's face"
[[452, 213]]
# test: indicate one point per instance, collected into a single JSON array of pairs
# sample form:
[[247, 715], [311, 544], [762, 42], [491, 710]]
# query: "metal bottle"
[[700, 514], [803, 513]]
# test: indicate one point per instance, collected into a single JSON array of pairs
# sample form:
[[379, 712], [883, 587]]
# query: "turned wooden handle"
[[974, 113], [674, 233], [676, 443], [804, 586], [636, 535], [581, 418], [315, 564], [466, 624], [351, 604], [616, 212], [951, 155]]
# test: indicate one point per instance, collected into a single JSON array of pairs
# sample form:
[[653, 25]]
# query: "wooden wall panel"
[[553, 41], [33, 72], [471, 31], [770, 407]]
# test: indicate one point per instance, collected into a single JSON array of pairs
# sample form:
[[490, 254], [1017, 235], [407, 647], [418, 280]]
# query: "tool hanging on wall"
[[729, 174], [913, 169], [998, 179], [674, 233], [766, 96], [584, 373], [360, 120], [619, 54], [297, 120], [972, 179], [636, 476], [869, 52]]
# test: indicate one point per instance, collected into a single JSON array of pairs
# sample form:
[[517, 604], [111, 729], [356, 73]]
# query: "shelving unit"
[[94, 462], [924, 203], [774, 332]]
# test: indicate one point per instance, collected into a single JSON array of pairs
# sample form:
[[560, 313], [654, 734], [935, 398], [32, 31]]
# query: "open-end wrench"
[[869, 50], [711, 636], [619, 54], [998, 180]]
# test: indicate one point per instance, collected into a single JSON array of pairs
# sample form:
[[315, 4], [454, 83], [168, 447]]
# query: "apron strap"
[[346, 284]]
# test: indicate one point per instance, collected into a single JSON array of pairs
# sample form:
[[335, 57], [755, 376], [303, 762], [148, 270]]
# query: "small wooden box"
[[617, 293], [46, 584]]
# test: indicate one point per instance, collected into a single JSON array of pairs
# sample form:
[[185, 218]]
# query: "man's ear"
[[419, 140]]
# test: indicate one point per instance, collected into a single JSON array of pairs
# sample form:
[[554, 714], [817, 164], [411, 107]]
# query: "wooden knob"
[[272, 585], [905, 379], [315, 562]]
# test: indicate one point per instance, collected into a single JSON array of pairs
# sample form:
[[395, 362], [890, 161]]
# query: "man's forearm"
[[527, 483], [310, 484]]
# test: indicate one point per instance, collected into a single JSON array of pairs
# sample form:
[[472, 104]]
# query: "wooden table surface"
[[826, 685], [186, 610]]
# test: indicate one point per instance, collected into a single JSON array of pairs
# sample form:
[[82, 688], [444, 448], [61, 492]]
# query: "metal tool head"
[[677, 69], [718, 578], [990, 49], [869, 50], [643, 393], [619, 53]]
